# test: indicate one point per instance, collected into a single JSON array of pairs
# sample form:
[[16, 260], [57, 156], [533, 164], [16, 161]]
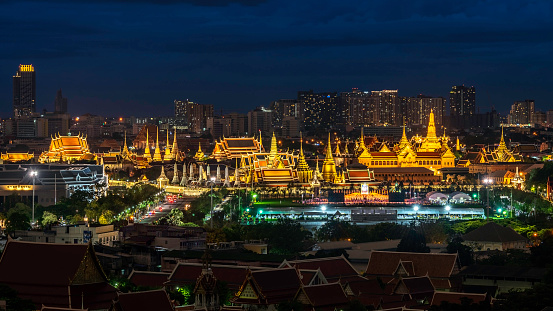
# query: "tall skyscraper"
[[321, 110], [388, 107], [462, 101], [192, 116], [521, 112], [60, 103], [24, 91], [417, 110]]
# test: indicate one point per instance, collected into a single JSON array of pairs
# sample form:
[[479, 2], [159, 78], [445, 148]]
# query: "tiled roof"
[[435, 265], [144, 301], [331, 267], [456, 298], [326, 295], [20, 262], [492, 232], [188, 273]]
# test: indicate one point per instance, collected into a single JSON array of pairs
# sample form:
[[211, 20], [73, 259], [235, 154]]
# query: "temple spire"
[[329, 166], [157, 152], [431, 126], [147, 149], [168, 153], [274, 150], [175, 149]]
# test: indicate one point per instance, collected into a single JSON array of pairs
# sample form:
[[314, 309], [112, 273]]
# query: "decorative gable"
[[248, 292]]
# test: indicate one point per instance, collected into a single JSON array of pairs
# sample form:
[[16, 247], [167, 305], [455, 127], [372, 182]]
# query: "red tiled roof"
[[417, 284], [331, 267], [144, 301], [57, 266], [364, 287], [148, 278], [456, 298], [188, 273], [435, 265], [49, 280], [326, 295]]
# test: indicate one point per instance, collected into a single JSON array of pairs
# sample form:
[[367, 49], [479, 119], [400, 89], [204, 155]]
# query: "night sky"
[[122, 58]]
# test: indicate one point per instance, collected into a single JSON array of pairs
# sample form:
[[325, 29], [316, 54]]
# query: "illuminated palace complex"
[[410, 161], [417, 160]]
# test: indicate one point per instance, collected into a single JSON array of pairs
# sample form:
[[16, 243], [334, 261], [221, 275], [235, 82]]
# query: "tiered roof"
[[67, 148], [70, 275]]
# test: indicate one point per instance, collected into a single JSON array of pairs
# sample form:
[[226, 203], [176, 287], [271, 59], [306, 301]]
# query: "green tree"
[[48, 219], [13, 302], [334, 230], [413, 241], [464, 252]]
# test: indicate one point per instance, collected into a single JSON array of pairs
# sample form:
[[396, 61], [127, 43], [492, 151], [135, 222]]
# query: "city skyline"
[[108, 60]]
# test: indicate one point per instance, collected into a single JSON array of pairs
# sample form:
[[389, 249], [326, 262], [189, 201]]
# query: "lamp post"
[[211, 216], [33, 174], [488, 182]]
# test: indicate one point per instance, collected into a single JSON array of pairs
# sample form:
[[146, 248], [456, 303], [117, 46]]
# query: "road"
[[163, 209]]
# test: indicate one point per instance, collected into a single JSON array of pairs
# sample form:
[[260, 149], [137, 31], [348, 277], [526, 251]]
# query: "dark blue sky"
[[135, 57]]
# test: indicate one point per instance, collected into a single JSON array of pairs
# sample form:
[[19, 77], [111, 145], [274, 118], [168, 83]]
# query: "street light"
[[33, 174], [488, 182], [211, 217], [448, 208]]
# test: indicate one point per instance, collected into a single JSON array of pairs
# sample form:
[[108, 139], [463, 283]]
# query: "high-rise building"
[[388, 107], [417, 110], [285, 111], [260, 119], [521, 112], [24, 91], [60, 103], [238, 123], [549, 118], [462, 100], [361, 108], [321, 110], [374, 108], [192, 116]]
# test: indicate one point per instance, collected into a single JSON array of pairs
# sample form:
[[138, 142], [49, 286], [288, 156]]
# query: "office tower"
[[373, 108], [361, 108], [260, 119], [60, 103], [320, 110], [238, 123], [417, 110], [462, 101], [24, 91], [388, 107], [192, 116], [521, 112], [285, 111], [549, 118]]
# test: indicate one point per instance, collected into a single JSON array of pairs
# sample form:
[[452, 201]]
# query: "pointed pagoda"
[[199, 154], [175, 149], [315, 181], [274, 157], [147, 154], [329, 166], [503, 154], [168, 154], [175, 180], [157, 152], [305, 174], [125, 154], [162, 180], [404, 142], [184, 180], [431, 143]]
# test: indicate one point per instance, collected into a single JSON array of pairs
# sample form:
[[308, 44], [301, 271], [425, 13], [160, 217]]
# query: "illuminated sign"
[[364, 188], [19, 187]]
